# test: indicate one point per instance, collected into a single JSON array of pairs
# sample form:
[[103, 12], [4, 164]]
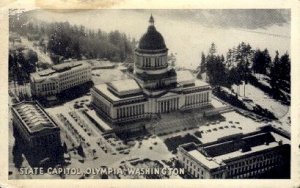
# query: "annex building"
[[252, 155], [58, 78], [35, 130], [154, 88]]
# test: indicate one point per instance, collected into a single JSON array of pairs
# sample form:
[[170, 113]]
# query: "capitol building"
[[154, 87]]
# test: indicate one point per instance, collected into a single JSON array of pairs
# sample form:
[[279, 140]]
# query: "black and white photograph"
[[149, 94]]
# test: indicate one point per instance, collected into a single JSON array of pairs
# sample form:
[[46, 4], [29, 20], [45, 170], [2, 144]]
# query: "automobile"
[[245, 99]]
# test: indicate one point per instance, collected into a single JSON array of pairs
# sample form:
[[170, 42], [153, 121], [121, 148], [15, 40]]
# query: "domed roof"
[[152, 39]]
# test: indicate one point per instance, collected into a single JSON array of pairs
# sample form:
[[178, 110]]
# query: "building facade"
[[58, 78], [252, 155], [35, 127], [154, 88]]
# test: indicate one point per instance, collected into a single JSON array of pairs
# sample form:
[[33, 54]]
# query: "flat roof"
[[239, 153], [216, 132], [103, 88], [185, 76], [33, 116], [214, 154], [200, 83], [104, 125], [210, 163], [56, 69], [125, 85]]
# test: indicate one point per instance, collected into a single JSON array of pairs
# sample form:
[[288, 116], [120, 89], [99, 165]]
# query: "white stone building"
[[60, 77], [34, 126], [251, 155], [155, 87]]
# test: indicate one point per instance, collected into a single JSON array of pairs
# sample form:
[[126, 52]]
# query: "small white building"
[[250, 155], [60, 77]]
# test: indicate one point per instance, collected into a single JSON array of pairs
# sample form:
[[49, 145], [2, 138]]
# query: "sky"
[[187, 33]]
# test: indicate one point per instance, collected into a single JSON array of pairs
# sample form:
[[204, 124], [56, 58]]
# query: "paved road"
[[41, 55]]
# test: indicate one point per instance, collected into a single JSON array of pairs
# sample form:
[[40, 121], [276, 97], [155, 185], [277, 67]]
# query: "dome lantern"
[[151, 20]]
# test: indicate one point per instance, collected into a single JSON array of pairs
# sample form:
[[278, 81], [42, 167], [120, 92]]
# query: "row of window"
[[260, 158], [261, 164], [46, 87], [73, 82], [76, 74], [51, 88], [71, 72], [255, 165], [253, 173], [193, 168], [156, 62], [101, 105]]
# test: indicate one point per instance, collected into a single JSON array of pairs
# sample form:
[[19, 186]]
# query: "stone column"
[[173, 104]]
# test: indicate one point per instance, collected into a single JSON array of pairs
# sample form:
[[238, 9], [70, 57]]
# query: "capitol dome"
[[152, 39]]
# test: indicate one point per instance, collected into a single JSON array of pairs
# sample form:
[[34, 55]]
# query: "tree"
[[275, 71], [261, 61], [280, 71], [286, 67], [216, 71], [212, 49], [234, 77], [203, 63]]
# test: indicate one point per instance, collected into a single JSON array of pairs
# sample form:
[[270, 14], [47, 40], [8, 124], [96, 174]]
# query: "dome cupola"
[[152, 39]]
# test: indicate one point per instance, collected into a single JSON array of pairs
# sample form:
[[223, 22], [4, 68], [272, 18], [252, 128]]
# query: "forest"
[[63, 40], [243, 64]]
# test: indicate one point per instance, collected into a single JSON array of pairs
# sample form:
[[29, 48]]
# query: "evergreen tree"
[[286, 67], [212, 49], [203, 63], [275, 72], [261, 61]]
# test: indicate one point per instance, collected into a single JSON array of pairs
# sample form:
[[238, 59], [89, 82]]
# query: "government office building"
[[35, 129], [154, 87], [58, 78], [252, 155]]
